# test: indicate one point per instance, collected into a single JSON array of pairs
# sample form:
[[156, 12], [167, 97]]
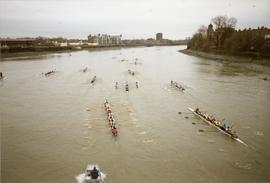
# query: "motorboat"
[[92, 174]]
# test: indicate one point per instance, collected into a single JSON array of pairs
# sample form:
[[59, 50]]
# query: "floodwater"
[[53, 127]]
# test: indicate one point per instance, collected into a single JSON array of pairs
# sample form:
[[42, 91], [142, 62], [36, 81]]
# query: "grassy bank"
[[227, 58]]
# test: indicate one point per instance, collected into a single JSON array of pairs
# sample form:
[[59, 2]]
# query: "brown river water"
[[52, 127]]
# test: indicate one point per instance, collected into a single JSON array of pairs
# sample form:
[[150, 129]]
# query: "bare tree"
[[220, 21], [231, 22], [223, 21], [203, 31]]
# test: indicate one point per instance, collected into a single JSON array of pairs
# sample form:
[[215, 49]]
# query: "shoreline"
[[227, 58], [22, 55]]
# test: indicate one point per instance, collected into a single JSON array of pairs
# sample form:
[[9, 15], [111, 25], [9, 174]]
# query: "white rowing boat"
[[217, 127]]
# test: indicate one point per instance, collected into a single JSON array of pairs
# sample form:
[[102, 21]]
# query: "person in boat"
[[182, 88], [94, 79], [223, 126], [88, 173], [95, 173], [137, 86], [85, 69], [114, 130], [228, 129], [1, 75], [109, 110], [116, 84], [110, 117], [126, 86], [197, 110]]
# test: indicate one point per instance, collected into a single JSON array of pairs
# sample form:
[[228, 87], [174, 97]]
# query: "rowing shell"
[[237, 139]]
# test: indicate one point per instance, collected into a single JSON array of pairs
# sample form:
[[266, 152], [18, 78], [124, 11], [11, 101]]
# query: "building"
[[267, 38], [159, 36], [210, 32], [105, 39], [18, 43]]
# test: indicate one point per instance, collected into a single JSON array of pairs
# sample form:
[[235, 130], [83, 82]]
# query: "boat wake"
[[81, 178]]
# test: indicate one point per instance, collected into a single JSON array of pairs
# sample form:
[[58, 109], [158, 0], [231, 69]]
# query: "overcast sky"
[[176, 19]]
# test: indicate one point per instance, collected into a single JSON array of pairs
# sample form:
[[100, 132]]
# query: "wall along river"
[[52, 127]]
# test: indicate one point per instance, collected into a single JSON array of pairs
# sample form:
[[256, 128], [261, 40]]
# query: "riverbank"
[[32, 53], [227, 58]]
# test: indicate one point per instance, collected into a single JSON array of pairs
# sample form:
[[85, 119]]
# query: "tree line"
[[221, 36]]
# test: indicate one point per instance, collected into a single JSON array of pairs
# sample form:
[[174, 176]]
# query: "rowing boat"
[[131, 72], [110, 118], [49, 73], [94, 79], [85, 69], [230, 134], [177, 85], [126, 86]]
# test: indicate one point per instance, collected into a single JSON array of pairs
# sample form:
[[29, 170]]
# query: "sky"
[[134, 19]]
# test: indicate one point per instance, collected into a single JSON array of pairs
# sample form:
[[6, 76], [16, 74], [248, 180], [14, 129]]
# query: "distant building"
[[104, 39], [19, 43], [159, 36], [210, 32], [267, 37]]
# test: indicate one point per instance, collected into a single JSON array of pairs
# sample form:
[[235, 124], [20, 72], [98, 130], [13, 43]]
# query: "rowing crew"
[[177, 85], [49, 73], [126, 85], [216, 122], [110, 117], [131, 72]]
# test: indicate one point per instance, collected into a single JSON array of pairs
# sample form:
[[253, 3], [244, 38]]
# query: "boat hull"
[[224, 132]]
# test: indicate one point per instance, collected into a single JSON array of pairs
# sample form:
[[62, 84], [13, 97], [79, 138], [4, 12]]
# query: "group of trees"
[[222, 36]]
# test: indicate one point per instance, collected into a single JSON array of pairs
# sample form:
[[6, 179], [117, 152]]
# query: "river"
[[52, 127]]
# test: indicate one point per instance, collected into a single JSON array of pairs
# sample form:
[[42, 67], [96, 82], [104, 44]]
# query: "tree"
[[203, 31], [231, 22], [223, 21], [220, 21]]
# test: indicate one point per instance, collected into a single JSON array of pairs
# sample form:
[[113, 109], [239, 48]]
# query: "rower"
[[94, 173], [228, 128], [116, 84], [126, 86], [114, 130], [137, 86], [109, 110], [1, 75], [223, 127], [94, 79], [197, 110]]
